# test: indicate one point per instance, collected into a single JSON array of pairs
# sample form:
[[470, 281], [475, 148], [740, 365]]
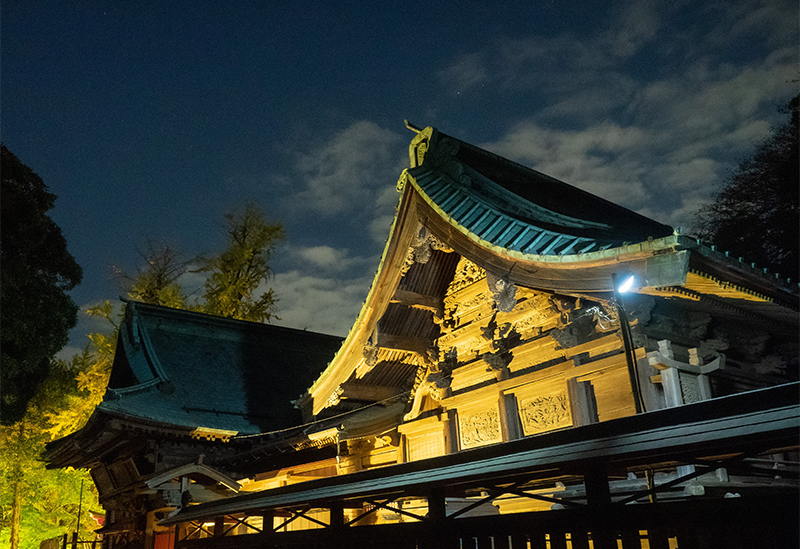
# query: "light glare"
[[626, 285]]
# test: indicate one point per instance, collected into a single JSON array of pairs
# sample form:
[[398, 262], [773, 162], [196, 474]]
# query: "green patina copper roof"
[[517, 209], [198, 371]]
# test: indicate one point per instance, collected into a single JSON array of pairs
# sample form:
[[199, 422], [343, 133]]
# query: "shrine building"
[[534, 366]]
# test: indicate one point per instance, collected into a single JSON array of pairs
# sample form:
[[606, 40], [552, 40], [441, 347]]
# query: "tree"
[[755, 214], [37, 272], [156, 281], [234, 275], [40, 503], [237, 272]]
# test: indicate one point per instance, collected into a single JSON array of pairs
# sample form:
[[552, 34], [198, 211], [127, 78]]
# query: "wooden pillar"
[[437, 535], [598, 498], [448, 432], [219, 526], [509, 422], [437, 506], [401, 449], [268, 523], [336, 510], [598, 494], [583, 405], [149, 530]]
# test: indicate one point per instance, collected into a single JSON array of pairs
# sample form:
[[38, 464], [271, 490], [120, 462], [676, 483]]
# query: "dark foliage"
[[755, 215], [37, 271]]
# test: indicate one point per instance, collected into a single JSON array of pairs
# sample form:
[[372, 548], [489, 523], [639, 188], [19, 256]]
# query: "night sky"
[[153, 119]]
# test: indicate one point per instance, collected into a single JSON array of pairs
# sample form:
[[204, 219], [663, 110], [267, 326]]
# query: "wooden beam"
[[404, 343], [418, 301], [369, 393]]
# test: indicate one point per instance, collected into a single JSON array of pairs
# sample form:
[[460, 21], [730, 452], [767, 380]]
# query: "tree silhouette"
[[755, 214], [38, 271]]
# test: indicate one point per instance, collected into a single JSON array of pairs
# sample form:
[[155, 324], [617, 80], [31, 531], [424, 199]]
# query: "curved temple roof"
[[515, 209], [540, 233], [201, 372]]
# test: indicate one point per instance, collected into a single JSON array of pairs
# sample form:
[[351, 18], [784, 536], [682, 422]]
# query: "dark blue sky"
[[152, 119]]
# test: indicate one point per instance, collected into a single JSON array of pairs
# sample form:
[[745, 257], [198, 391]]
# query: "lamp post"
[[627, 339]]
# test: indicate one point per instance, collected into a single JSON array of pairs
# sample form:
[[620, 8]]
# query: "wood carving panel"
[[425, 446], [537, 311], [544, 413], [479, 428], [467, 273]]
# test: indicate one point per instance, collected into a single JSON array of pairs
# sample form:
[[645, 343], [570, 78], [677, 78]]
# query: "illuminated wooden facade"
[[493, 317], [491, 321], [493, 372]]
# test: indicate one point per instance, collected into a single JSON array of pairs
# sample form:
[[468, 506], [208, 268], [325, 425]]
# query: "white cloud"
[[325, 256], [467, 72], [322, 304], [87, 324], [325, 260], [635, 24], [658, 140], [597, 159], [349, 172]]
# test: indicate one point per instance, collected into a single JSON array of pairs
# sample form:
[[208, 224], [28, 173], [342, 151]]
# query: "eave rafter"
[[368, 393], [387, 278], [418, 301]]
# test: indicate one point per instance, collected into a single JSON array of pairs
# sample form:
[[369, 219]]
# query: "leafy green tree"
[[38, 271], [237, 273], [38, 503], [755, 215]]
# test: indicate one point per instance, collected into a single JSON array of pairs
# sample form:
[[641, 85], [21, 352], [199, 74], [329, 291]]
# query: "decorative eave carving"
[[433, 381], [503, 292], [423, 245], [467, 273]]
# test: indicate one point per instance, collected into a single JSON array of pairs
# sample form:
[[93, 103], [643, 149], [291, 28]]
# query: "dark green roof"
[[519, 209], [194, 370]]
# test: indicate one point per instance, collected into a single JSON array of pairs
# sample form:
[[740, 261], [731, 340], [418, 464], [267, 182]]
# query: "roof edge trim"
[[387, 274]]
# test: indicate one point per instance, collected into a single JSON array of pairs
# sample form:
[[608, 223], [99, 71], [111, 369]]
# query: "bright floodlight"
[[626, 285]]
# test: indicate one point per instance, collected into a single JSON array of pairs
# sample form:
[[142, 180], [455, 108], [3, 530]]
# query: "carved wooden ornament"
[[544, 413]]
